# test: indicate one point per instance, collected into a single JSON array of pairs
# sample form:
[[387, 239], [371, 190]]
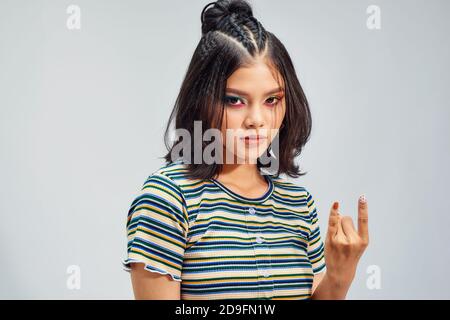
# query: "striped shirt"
[[222, 245]]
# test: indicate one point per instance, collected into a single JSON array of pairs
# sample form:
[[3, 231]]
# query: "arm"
[[343, 248], [328, 288], [156, 233], [153, 286], [318, 277]]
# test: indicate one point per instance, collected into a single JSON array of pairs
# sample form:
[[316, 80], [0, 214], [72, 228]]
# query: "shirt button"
[[266, 273], [251, 210], [259, 239]]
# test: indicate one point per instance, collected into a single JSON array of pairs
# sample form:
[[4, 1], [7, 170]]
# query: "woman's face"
[[254, 105]]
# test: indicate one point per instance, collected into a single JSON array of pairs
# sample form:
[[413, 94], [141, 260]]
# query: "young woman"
[[237, 229]]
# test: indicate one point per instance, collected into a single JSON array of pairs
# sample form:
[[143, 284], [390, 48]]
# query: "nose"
[[254, 118]]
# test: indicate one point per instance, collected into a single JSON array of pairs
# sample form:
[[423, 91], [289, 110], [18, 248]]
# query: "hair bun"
[[213, 17]]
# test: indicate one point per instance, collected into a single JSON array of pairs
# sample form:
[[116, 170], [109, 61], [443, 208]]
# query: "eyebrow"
[[243, 93]]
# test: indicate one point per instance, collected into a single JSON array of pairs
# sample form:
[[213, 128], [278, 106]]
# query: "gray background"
[[83, 113]]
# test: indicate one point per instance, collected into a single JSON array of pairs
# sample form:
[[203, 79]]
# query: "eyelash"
[[234, 105]]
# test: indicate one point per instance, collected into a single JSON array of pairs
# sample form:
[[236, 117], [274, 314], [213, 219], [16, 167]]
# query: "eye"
[[230, 100], [275, 101]]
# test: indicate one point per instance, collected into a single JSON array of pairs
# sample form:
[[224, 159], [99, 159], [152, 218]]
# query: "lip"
[[253, 139]]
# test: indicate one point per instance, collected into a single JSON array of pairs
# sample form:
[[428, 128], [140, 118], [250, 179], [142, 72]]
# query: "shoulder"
[[291, 189], [161, 195], [175, 176], [295, 193], [172, 170]]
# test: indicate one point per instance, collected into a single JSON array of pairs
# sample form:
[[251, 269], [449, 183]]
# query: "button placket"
[[262, 267], [259, 239]]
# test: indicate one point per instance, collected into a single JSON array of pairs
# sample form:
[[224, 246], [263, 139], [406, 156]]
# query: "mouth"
[[253, 139]]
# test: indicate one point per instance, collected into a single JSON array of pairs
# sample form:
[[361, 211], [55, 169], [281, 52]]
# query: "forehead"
[[256, 78]]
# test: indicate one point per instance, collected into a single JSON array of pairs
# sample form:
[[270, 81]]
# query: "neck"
[[241, 172]]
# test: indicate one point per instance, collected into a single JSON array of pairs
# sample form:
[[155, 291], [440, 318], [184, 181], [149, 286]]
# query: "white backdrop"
[[83, 112]]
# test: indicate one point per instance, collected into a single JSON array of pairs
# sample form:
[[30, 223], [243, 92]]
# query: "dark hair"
[[231, 38]]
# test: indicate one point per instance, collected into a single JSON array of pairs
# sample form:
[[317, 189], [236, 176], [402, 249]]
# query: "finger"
[[334, 209], [333, 220], [363, 218], [340, 230], [348, 227]]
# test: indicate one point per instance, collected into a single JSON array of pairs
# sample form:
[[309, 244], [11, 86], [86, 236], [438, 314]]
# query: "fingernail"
[[335, 205], [362, 198]]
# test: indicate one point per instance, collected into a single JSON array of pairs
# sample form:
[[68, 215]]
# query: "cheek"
[[274, 121], [232, 121], [279, 117]]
